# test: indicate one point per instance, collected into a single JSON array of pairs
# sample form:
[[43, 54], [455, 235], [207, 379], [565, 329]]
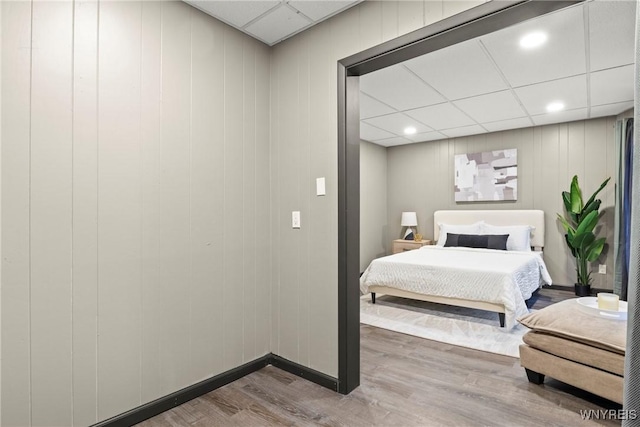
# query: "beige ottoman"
[[572, 346]]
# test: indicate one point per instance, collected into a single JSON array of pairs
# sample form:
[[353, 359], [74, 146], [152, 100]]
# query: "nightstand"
[[400, 245]]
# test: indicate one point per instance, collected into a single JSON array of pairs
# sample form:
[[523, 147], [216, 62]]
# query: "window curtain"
[[622, 240]]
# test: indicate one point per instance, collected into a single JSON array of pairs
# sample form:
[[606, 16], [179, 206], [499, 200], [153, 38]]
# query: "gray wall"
[[374, 233], [421, 179], [135, 205], [304, 147]]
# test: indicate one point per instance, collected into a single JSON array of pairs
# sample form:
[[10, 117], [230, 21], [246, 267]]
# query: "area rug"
[[466, 327]]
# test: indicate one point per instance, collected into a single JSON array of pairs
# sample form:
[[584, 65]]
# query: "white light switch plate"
[[602, 269], [320, 187], [295, 219]]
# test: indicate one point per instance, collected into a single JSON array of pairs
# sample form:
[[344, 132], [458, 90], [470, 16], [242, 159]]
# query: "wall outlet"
[[602, 269]]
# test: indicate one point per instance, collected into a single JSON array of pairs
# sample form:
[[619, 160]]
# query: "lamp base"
[[408, 235]]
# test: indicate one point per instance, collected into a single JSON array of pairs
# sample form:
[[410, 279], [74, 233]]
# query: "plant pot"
[[582, 290]]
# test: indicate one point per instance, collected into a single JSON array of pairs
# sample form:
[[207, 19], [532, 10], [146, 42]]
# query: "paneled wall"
[[374, 227], [421, 178], [135, 205], [304, 147]]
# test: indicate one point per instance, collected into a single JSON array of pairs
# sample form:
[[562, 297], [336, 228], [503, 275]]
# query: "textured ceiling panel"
[[611, 33], [491, 107], [572, 92], [371, 107], [372, 133], [560, 117], [508, 124], [398, 87], [277, 25], [563, 54], [441, 116], [463, 131], [447, 71], [318, 10], [613, 85], [397, 123], [235, 13]]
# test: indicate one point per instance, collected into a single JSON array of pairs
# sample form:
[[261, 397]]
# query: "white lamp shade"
[[409, 219]]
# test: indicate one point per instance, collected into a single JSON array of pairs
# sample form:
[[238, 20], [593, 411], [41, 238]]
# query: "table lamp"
[[409, 219]]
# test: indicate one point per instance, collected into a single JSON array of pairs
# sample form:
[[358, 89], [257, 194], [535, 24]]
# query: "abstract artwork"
[[488, 176]]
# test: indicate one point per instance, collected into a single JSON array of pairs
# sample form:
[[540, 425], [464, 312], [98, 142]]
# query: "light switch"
[[295, 219], [320, 188]]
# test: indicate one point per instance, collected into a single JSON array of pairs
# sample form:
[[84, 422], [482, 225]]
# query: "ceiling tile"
[[571, 92], [398, 87], [562, 55], [235, 13], [397, 123], [560, 117], [277, 24], [611, 33], [464, 131], [521, 122], [441, 116], [372, 133], [491, 107], [390, 142], [611, 109], [319, 10], [447, 71], [427, 136], [371, 107], [613, 85]]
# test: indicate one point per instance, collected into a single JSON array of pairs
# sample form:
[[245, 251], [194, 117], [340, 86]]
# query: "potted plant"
[[579, 223]]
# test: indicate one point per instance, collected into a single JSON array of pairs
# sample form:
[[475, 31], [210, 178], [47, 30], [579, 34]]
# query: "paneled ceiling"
[[272, 21], [491, 83]]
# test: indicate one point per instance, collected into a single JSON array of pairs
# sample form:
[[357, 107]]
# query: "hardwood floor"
[[405, 381]]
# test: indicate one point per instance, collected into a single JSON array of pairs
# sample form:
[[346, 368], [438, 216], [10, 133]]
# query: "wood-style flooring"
[[405, 381]]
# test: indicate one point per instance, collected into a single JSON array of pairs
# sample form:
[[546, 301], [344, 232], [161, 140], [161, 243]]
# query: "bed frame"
[[460, 217]]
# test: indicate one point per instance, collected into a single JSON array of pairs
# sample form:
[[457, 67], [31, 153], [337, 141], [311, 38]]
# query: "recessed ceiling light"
[[555, 106], [409, 130], [533, 40]]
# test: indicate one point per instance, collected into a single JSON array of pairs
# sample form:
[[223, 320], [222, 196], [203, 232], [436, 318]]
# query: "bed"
[[486, 279]]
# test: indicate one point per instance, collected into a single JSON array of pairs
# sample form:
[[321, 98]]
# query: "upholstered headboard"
[[497, 217]]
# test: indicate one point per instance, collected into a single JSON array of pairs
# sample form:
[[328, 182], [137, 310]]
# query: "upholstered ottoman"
[[575, 347]]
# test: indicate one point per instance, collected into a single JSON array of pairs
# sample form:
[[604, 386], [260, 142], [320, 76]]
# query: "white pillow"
[[475, 228], [519, 235]]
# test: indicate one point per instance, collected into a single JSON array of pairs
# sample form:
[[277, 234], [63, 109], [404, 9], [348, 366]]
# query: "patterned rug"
[[466, 327]]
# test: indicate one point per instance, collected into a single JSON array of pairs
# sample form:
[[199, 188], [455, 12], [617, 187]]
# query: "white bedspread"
[[502, 277]]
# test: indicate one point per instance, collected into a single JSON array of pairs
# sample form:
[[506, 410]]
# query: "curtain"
[[622, 241]]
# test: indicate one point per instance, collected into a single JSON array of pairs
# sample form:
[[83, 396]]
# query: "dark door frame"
[[472, 23]]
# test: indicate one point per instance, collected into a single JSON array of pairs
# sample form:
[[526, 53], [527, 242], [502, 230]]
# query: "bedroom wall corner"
[[374, 229]]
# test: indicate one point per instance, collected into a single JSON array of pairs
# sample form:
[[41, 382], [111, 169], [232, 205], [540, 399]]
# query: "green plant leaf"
[[594, 205], [593, 196], [582, 241], [595, 249], [567, 227], [570, 245], [566, 198], [576, 196], [588, 223]]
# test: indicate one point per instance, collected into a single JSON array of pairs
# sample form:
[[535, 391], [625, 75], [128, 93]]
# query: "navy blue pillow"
[[482, 241]]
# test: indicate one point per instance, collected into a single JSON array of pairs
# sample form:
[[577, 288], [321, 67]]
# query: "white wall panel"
[[85, 211], [135, 201], [16, 129], [51, 213], [119, 207], [152, 312]]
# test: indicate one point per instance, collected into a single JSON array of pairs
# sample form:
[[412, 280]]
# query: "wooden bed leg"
[[501, 316], [534, 377], [373, 297]]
